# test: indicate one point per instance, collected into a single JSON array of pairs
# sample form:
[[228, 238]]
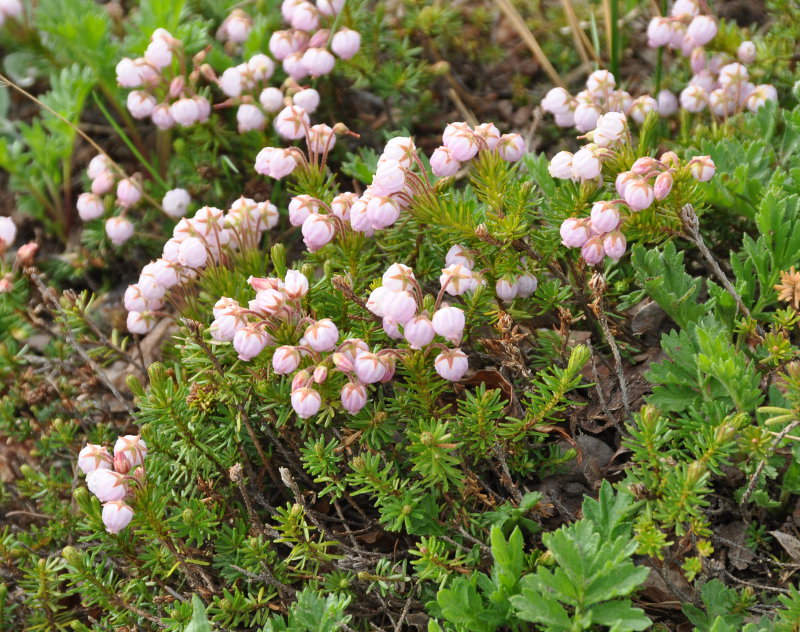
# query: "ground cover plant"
[[352, 315]]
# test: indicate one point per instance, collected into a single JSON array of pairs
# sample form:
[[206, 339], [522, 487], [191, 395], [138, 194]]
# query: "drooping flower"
[[116, 516], [107, 485], [94, 457], [449, 322], [306, 402], [451, 364]]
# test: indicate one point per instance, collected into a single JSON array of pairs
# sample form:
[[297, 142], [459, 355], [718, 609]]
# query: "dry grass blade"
[[582, 43], [530, 40], [607, 19], [7, 82], [463, 110]]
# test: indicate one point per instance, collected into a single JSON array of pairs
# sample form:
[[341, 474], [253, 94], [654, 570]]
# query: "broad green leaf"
[[199, 621]]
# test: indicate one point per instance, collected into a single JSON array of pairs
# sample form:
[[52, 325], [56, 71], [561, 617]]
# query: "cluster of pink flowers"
[[398, 301], [92, 205], [601, 96], [303, 49], [9, 9], [111, 478], [164, 93], [277, 305], [128, 192], [649, 180], [379, 206], [685, 29], [461, 143], [719, 83], [598, 235], [195, 243], [458, 277], [277, 309], [293, 123], [246, 85], [399, 177], [723, 87], [587, 163]]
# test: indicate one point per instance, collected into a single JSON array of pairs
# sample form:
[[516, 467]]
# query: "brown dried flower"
[[789, 288]]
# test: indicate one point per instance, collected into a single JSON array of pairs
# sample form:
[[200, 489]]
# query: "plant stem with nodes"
[[49, 296], [751, 485], [692, 226], [598, 285]]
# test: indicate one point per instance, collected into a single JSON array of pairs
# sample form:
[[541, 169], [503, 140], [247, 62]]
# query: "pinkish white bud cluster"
[[684, 30], [195, 242], [610, 131], [584, 164], [278, 306], [398, 302], [247, 86], [316, 360], [109, 478], [648, 181], [719, 83], [458, 277], [161, 92], [724, 89], [461, 143], [398, 178], [379, 206], [583, 111], [293, 123], [303, 48], [92, 205], [598, 236]]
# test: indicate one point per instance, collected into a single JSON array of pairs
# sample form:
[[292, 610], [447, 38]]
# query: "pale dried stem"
[[530, 40]]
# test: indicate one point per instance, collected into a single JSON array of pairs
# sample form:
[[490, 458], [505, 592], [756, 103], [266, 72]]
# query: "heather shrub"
[[291, 347]]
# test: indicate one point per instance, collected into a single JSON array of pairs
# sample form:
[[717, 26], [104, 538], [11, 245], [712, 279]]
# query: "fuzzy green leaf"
[[662, 274]]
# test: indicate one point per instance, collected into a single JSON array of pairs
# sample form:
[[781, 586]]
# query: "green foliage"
[[448, 503], [725, 608], [593, 576], [547, 397], [662, 274], [312, 612], [199, 622]]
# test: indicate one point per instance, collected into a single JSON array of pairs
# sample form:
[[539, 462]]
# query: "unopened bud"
[[208, 73], [6, 284], [300, 379], [320, 374], [139, 474], [439, 69], [26, 253], [662, 185], [121, 463], [176, 86], [342, 362], [200, 57], [72, 556]]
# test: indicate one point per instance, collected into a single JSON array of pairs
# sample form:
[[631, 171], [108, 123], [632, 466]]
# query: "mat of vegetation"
[[404, 315]]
